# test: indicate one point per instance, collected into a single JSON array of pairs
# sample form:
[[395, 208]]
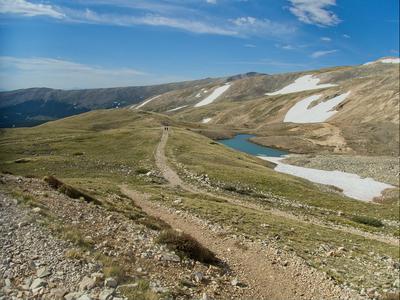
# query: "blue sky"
[[105, 43]]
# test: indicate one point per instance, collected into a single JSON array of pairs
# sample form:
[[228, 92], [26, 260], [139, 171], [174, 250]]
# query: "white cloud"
[[326, 39], [150, 14], [211, 1], [250, 45], [314, 12], [25, 8], [250, 26], [90, 16], [287, 47], [18, 73], [317, 54], [346, 36]]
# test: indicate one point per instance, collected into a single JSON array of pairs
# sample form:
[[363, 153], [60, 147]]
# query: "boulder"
[[110, 282]]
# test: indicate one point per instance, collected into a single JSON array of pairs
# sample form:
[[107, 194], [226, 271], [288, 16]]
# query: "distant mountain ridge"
[[32, 106], [251, 100]]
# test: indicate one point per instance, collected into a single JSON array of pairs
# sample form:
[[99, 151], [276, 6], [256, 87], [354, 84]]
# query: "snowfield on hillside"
[[146, 101], [214, 95], [353, 186], [300, 113], [177, 108], [303, 83], [392, 60], [206, 120]]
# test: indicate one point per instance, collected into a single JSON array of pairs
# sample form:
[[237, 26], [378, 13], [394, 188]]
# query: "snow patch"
[[303, 83], [206, 120], [177, 108], [393, 60], [353, 186], [390, 61], [300, 113], [214, 95], [146, 101]]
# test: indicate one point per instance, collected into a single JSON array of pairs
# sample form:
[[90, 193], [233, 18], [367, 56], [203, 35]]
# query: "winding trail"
[[175, 181], [267, 273]]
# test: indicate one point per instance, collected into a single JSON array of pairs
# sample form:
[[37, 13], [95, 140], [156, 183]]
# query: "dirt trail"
[[266, 274], [175, 181]]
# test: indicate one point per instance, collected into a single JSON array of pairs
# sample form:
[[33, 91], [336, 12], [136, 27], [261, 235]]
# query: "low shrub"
[[391, 296], [22, 161], [232, 188], [53, 182], [69, 190], [141, 291], [141, 171], [154, 223], [367, 221], [115, 271], [184, 244]]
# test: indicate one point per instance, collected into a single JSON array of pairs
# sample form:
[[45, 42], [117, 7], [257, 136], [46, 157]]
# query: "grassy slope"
[[115, 142], [199, 155], [93, 150]]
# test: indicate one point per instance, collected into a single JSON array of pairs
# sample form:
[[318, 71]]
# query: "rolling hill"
[[347, 110]]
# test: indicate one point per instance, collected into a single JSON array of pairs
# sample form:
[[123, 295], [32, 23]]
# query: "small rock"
[[43, 272], [172, 257], [87, 283], [7, 282], [178, 201], [198, 276], [37, 283], [97, 277], [84, 297], [206, 297], [396, 283], [106, 294], [71, 296], [36, 209], [58, 294], [235, 282], [110, 282]]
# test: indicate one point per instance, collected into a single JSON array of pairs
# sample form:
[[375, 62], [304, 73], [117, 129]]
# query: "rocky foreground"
[[55, 247]]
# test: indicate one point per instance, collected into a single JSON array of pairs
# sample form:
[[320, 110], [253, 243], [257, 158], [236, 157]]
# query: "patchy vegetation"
[[185, 244], [367, 221], [69, 190]]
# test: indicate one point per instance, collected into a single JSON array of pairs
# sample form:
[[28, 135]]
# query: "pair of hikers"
[[166, 128]]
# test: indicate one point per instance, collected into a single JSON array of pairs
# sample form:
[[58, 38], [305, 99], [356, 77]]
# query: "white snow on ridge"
[[177, 108], [206, 120], [353, 186], [303, 83], [393, 60], [300, 113], [214, 95], [146, 101], [390, 60]]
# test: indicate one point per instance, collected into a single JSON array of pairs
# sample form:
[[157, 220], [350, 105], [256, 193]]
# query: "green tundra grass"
[[100, 150]]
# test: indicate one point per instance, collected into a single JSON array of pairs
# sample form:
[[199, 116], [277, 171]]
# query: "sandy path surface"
[[265, 273]]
